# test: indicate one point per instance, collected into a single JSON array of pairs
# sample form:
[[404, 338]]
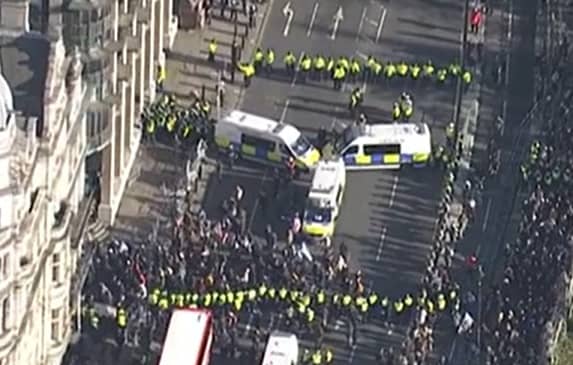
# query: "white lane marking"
[[452, 350], [339, 323], [335, 119], [352, 354], [337, 18], [296, 70], [364, 83], [249, 323], [381, 22], [346, 86], [312, 19], [257, 202], [362, 18], [509, 34], [507, 61], [288, 12], [283, 114], [381, 244], [509, 40], [362, 55], [393, 191], [486, 216]]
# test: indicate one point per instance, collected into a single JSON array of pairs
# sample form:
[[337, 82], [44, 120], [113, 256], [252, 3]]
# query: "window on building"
[[57, 268], [5, 315], [35, 21], [5, 265], [33, 198], [120, 53], [99, 83], [95, 124], [85, 28], [56, 325]]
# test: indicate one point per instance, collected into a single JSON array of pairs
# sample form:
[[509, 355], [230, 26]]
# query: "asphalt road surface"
[[388, 217]]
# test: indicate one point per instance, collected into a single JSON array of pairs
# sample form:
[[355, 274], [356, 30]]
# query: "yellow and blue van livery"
[[264, 140], [324, 198], [378, 146]]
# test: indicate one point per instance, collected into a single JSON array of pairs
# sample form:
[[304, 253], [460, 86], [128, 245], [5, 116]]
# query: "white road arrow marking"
[[362, 18], [289, 14], [312, 19], [381, 23], [337, 18]]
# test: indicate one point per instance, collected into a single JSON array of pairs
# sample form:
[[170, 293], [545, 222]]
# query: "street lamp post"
[[459, 84]]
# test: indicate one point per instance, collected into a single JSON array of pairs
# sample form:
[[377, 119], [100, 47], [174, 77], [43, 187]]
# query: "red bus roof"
[[187, 337]]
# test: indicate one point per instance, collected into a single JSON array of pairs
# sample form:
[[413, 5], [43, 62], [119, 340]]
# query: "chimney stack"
[[14, 15]]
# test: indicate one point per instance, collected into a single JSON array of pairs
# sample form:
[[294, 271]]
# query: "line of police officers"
[[163, 113], [301, 302], [353, 69], [295, 304]]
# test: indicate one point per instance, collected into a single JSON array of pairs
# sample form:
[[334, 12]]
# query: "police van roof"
[[326, 178], [392, 133], [285, 132]]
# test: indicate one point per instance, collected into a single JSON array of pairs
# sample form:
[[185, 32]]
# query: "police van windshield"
[[300, 146], [317, 215], [348, 135]]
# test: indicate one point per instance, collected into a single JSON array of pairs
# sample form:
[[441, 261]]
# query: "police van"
[[264, 140], [324, 198], [282, 349], [378, 146]]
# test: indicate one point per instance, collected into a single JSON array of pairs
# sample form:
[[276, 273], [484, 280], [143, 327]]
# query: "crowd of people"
[[219, 264], [449, 231], [530, 300], [278, 281]]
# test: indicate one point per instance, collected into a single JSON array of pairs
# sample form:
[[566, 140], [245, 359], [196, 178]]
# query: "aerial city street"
[[341, 182]]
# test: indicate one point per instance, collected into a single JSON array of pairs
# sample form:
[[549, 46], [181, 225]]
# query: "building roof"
[[24, 64]]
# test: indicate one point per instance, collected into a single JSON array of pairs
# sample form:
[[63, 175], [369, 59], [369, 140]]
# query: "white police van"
[[324, 198], [264, 140], [379, 146]]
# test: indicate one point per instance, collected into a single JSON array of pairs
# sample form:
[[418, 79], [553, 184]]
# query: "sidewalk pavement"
[[480, 106], [188, 69], [476, 111], [159, 170]]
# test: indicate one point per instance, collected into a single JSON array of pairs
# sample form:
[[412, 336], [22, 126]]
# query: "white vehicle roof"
[[260, 125], [325, 182], [412, 137], [184, 337], [282, 349]]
